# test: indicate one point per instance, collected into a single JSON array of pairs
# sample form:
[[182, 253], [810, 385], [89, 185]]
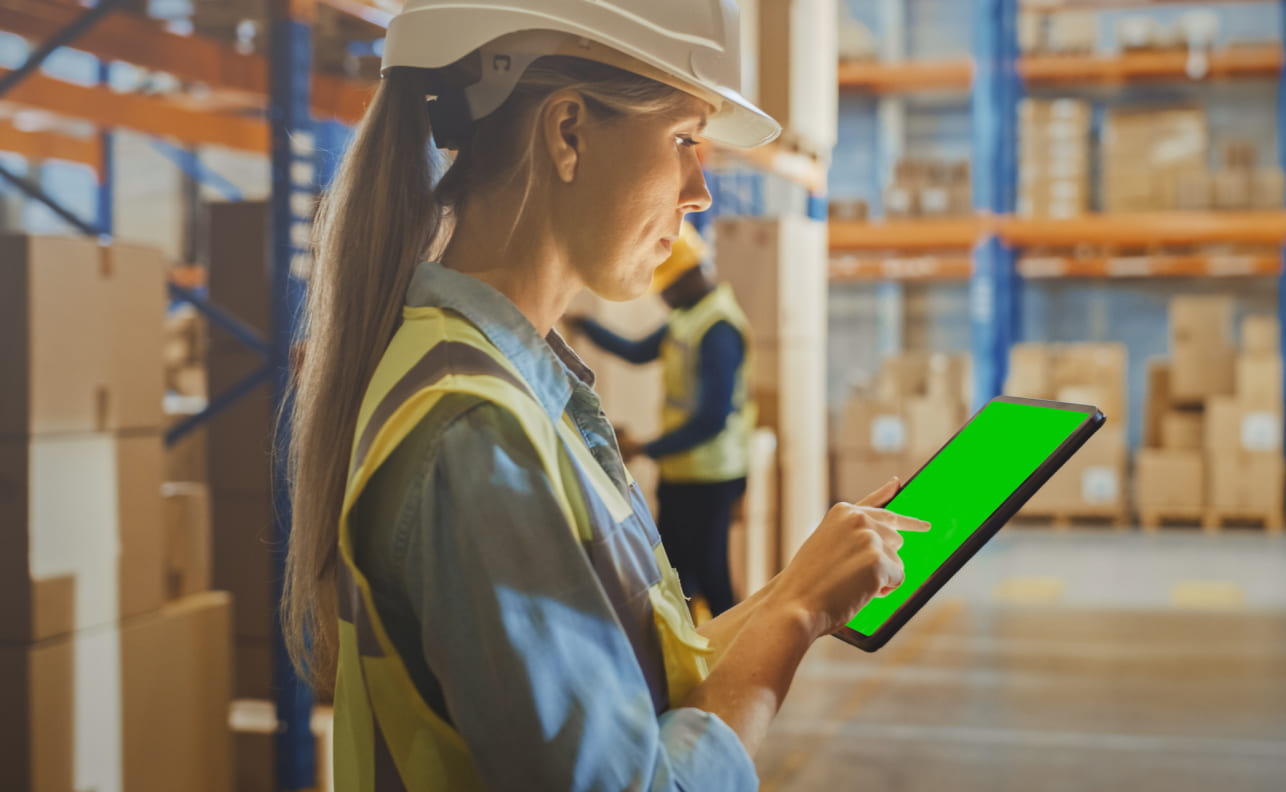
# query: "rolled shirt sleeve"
[[538, 676]]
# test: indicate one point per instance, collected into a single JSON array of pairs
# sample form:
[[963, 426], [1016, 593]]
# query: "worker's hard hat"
[[690, 45], [689, 251]]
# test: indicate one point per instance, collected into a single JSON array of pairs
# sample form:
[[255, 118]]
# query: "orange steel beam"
[[1248, 61], [146, 114], [1148, 229], [51, 145], [944, 234], [1159, 266], [906, 76], [145, 42], [1073, 5]]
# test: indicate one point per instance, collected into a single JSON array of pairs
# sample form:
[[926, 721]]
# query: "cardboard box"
[[950, 377], [1201, 320], [240, 268], [1223, 424], [1157, 401], [1031, 371], [239, 438], [1093, 481], [778, 270], [138, 706], [187, 538], [1231, 426], [1169, 481], [1267, 189], [1233, 189], [242, 530], [1260, 335], [930, 424], [55, 374], [872, 427], [1101, 367], [135, 298], [1199, 372], [1259, 382], [903, 376], [858, 474], [176, 688], [1182, 430], [798, 41], [186, 459], [1243, 482], [73, 563]]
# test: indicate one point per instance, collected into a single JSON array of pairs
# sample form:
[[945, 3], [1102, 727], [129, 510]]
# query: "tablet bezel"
[[1094, 419]]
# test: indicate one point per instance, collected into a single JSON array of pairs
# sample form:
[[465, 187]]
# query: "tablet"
[[967, 491]]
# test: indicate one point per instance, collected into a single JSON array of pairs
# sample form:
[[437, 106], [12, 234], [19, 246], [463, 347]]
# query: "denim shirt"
[[494, 604]]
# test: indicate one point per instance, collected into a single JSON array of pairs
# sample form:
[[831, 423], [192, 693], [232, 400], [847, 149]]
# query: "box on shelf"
[[1146, 151], [187, 538], [90, 559], [778, 270], [59, 378], [1031, 371], [930, 424], [1233, 189], [1259, 381], [185, 460], [142, 705], [859, 473], [1203, 357], [1093, 481], [1157, 401], [872, 427], [798, 67], [1231, 426], [1167, 480], [1182, 430], [1268, 187], [1260, 335]]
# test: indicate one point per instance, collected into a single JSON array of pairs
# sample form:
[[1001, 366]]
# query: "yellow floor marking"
[[1207, 595], [1031, 591]]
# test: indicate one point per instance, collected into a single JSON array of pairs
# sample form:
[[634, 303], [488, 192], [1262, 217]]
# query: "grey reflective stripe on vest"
[[448, 357]]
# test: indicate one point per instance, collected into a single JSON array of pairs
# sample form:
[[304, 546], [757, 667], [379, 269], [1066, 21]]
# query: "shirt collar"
[[548, 364]]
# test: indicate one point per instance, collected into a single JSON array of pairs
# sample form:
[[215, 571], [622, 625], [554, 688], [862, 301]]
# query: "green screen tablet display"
[[969, 479]]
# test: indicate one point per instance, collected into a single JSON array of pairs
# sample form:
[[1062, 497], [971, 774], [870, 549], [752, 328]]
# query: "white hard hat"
[[691, 45]]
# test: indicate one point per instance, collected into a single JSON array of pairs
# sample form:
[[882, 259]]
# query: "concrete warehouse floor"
[[1084, 660]]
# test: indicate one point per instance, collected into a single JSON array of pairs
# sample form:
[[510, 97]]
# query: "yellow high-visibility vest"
[[386, 736], [726, 456]]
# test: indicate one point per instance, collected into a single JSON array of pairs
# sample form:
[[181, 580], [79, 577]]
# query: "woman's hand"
[[849, 560]]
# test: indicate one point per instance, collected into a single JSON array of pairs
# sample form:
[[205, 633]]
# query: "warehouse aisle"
[[1050, 682]]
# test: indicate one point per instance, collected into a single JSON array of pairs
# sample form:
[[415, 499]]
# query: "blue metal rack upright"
[[293, 189], [1281, 155], [993, 289]]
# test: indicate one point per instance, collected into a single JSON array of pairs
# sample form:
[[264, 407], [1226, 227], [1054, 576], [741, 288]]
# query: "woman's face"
[[635, 179]]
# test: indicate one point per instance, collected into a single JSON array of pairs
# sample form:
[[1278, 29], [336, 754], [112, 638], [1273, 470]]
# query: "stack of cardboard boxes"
[[928, 188], [1238, 184], [106, 686], [1054, 158], [1214, 421], [1150, 158], [798, 71], [917, 403], [1094, 482], [778, 270], [237, 444], [185, 338]]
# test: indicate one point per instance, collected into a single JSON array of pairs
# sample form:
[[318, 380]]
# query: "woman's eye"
[[686, 141]]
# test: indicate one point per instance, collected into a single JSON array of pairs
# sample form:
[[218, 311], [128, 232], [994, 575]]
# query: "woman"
[[471, 567]]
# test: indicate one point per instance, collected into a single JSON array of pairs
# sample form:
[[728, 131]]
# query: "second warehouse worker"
[[707, 418]]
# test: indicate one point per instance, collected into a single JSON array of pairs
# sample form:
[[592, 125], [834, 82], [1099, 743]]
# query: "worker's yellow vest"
[[386, 736], [726, 456]]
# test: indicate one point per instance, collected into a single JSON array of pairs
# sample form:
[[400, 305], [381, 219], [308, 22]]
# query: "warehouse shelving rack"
[[984, 249]]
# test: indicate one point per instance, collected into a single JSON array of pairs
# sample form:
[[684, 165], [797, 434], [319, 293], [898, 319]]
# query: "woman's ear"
[[563, 121]]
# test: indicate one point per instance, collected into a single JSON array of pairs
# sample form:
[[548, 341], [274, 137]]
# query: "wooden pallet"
[[1151, 520], [1215, 520], [1118, 519]]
